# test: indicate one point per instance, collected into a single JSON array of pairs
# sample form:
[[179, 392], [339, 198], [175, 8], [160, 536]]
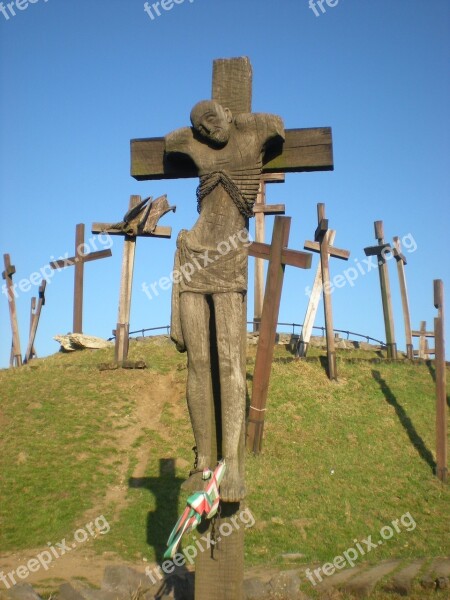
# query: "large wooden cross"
[[401, 262], [322, 246], [16, 356], [78, 262], [36, 315], [131, 230], [380, 251], [221, 577]]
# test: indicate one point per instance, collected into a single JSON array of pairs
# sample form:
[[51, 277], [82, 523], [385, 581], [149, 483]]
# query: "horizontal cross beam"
[[82, 258], [332, 251], [294, 258], [269, 209], [428, 334], [303, 150], [377, 250], [159, 232]]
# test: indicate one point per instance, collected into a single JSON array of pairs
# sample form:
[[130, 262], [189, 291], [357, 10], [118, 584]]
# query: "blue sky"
[[78, 80]]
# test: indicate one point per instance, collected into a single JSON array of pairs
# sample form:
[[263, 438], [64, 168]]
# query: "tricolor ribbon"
[[197, 505]]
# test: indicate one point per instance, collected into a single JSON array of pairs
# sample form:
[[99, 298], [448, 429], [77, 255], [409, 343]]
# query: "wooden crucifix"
[[228, 147], [32, 313], [261, 209], [35, 322], [16, 356], [139, 221], [380, 251], [278, 255], [401, 262], [322, 246], [441, 384], [424, 351], [313, 305], [78, 261]]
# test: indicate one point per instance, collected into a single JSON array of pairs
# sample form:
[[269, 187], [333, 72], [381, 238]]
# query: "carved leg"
[[195, 318], [228, 312]]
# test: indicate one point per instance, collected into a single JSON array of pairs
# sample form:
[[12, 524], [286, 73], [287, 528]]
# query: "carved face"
[[212, 121]]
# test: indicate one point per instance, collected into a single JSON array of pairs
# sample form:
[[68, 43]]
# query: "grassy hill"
[[340, 462]]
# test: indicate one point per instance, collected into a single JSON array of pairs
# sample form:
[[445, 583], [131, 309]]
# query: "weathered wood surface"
[[313, 305], [35, 322], [16, 355], [401, 262], [441, 402], [294, 258], [303, 150], [32, 313], [380, 251], [159, 232], [423, 352]]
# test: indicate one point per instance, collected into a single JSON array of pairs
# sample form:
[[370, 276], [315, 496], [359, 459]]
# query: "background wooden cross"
[[313, 305], [278, 256], [424, 351], [261, 209], [441, 384], [32, 313], [130, 231], [401, 262], [380, 252], [78, 262], [322, 246], [16, 355], [35, 322]]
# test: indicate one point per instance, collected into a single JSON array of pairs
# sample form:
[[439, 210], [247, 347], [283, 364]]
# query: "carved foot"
[[232, 488], [194, 483]]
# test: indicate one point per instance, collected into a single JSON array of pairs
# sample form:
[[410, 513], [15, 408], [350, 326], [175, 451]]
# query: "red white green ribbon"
[[199, 504]]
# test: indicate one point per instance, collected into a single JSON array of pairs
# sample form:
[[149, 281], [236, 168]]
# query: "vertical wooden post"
[[313, 305], [78, 281], [441, 384], [32, 315], [16, 355], [41, 302], [126, 284], [266, 343], [401, 262]]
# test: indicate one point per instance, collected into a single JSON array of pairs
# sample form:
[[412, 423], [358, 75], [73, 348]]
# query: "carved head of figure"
[[212, 121]]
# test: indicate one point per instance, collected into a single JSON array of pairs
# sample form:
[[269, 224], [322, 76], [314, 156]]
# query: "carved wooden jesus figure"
[[208, 304]]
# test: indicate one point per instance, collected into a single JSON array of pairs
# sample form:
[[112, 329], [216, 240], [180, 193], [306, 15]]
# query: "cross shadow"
[[166, 489], [432, 370], [406, 422]]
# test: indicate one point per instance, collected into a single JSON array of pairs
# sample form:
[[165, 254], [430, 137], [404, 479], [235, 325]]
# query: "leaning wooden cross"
[[322, 246], [441, 385], [228, 147], [139, 221], [35, 322], [380, 252], [78, 262], [401, 262], [16, 356], [278, 255]]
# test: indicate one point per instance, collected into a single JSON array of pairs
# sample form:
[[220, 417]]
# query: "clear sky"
[[78, 80]]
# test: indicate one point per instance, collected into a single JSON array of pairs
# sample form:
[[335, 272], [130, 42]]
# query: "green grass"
[[340, 460]]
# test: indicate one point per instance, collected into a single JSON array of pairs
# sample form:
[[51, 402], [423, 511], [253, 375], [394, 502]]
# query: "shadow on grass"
[[406, 422], [160, 522], [432, 370]]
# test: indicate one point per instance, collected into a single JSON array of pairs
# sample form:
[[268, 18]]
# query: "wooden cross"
[[35, 322], [303, 150], [32, 313], [278, 256], [380, 252], [401, 262], [261, 209], [16, 355], [131, 231], [441, 384], [322, 246], [422, 333], [78, 262], [313, 305]]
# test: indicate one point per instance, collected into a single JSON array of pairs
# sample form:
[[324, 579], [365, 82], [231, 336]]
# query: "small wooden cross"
[[16, 355], [260, 210], [279, 256], [401, 262], [422, 333], [136, 227], [441, 384], [78, 262], [380, 252], [35, 322], [313, 305], [323, 247]]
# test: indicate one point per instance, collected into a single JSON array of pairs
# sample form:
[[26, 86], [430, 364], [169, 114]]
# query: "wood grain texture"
[[441, 402]]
